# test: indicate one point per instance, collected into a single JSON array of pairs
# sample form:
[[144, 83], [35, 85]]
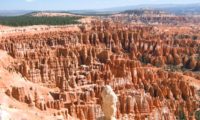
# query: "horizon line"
[[101, 9]]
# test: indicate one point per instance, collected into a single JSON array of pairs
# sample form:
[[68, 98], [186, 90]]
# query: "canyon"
[[67, 72]]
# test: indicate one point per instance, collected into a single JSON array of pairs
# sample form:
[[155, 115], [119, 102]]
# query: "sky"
[[80, 4]]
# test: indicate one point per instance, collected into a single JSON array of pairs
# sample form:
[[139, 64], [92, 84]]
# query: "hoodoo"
[[109, 102]]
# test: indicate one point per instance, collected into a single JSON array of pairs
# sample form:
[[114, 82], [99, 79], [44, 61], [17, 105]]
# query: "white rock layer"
[[109, 103]]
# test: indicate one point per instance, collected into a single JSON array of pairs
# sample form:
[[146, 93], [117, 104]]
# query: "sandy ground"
[[2, 27], [9, 31], [87, 20]]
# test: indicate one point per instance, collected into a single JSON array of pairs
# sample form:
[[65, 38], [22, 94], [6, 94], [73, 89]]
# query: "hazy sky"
[[79, 4]]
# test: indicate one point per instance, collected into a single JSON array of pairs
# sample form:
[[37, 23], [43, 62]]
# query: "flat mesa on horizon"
[[110, 64]]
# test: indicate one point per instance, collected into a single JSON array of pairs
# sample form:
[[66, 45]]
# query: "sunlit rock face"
[[111, 71], [109, 102]]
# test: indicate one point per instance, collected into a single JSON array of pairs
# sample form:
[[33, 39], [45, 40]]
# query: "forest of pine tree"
[[26, 20]]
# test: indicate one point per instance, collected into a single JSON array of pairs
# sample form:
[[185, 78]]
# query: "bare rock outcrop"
[[109, 102]]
